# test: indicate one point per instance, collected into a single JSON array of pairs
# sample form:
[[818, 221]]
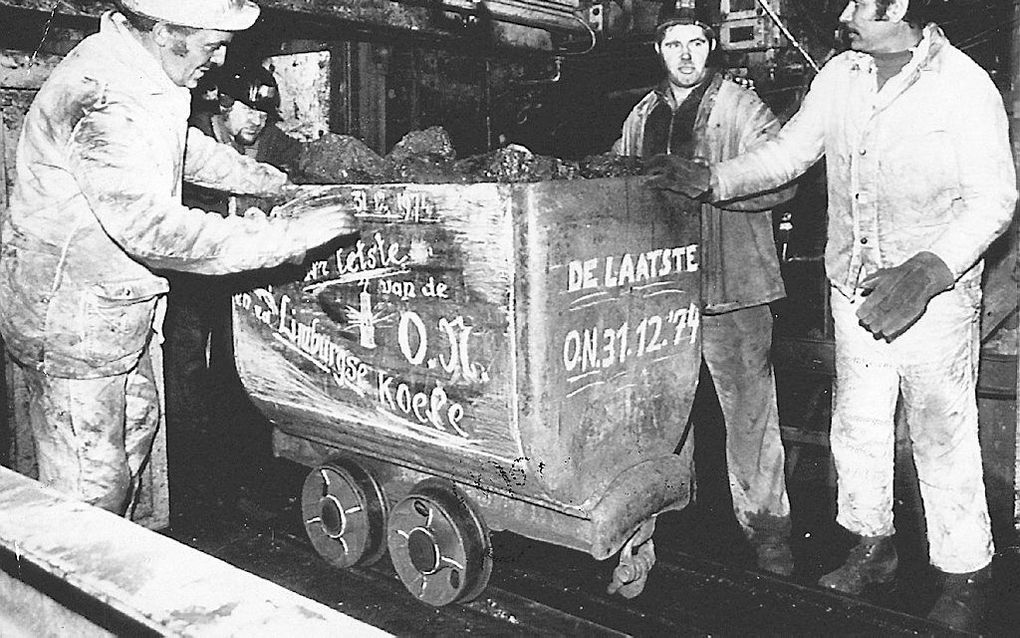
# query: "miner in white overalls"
[[96, 207], [920, 181]]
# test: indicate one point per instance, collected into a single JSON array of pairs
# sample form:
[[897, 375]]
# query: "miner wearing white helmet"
[[97, 207]]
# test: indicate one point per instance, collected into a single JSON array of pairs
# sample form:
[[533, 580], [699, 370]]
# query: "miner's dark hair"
[[919, 12], [660, 31]]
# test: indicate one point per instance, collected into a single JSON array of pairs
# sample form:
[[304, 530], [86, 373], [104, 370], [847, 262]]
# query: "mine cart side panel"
[[608, 315], [398, 344]]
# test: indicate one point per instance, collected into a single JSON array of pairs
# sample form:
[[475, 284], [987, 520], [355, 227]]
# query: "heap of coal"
[[428, 157], [339, 159]]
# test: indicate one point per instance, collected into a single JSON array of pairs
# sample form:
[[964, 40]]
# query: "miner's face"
[[684, 50], [186, 54], [244, 123], [870, 29]]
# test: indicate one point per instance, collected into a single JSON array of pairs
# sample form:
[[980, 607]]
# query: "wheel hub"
[[426, 556], [334, 520]]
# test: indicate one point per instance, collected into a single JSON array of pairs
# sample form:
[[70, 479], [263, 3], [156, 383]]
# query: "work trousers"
[[198, 352], [93, 436], [737, 348], [931, 369], [210, 422]]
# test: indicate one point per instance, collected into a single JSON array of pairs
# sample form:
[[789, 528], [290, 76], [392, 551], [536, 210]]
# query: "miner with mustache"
[[920, 181]]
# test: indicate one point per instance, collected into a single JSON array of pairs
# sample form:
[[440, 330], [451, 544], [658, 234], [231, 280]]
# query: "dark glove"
[[897, 297], [674, 173]]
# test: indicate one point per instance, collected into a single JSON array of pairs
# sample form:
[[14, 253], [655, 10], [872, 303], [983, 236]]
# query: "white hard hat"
[[222, 15]]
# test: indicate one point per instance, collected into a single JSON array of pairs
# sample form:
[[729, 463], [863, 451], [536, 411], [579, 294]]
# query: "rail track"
[[536, 588]]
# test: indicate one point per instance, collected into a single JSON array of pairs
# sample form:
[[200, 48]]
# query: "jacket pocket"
[[920, 172], [104, 323], [119, 317]]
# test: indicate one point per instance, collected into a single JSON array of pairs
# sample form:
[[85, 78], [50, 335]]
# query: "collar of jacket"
[[925, 56], [142, 68]]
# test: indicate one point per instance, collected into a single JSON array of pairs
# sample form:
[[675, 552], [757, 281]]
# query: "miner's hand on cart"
[[677, 174], [894, 297]]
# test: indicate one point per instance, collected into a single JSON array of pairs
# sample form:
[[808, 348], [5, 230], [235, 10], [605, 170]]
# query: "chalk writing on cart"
[[518, 356]]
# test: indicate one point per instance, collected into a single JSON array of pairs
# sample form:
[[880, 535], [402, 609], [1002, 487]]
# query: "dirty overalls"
[[96, 206], [923, 164], [740, 275]]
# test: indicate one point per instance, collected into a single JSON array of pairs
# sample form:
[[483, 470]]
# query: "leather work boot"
[[872, 560], [770, 538], [961, 605]]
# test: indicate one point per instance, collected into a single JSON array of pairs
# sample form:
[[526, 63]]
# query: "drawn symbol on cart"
[[267, 298], [365, 319], [413, 339]]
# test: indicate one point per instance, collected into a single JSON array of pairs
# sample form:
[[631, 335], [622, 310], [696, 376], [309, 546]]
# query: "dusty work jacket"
[[739, 264], [924, 164], [96, 204]]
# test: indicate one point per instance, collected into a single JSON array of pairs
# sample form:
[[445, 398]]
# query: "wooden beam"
[[3, 163], [138, 576], [515, 20], [1015, 71], [418, 14], [1000, 292], [73, 8]]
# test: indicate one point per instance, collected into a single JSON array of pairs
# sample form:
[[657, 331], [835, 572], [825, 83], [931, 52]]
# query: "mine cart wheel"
[[439, 544], [344, 511]]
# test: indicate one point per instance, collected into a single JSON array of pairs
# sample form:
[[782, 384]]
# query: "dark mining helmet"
[[253, 86], [675, 12]]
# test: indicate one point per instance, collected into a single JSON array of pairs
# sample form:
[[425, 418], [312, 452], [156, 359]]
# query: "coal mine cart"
[[481, 357]]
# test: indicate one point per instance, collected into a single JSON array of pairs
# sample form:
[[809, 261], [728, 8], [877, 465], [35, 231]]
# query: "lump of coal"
[[423, 157], [340, 159], [428, 170], [610, 165], [432, 143], [513, 164], [428, 157]]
